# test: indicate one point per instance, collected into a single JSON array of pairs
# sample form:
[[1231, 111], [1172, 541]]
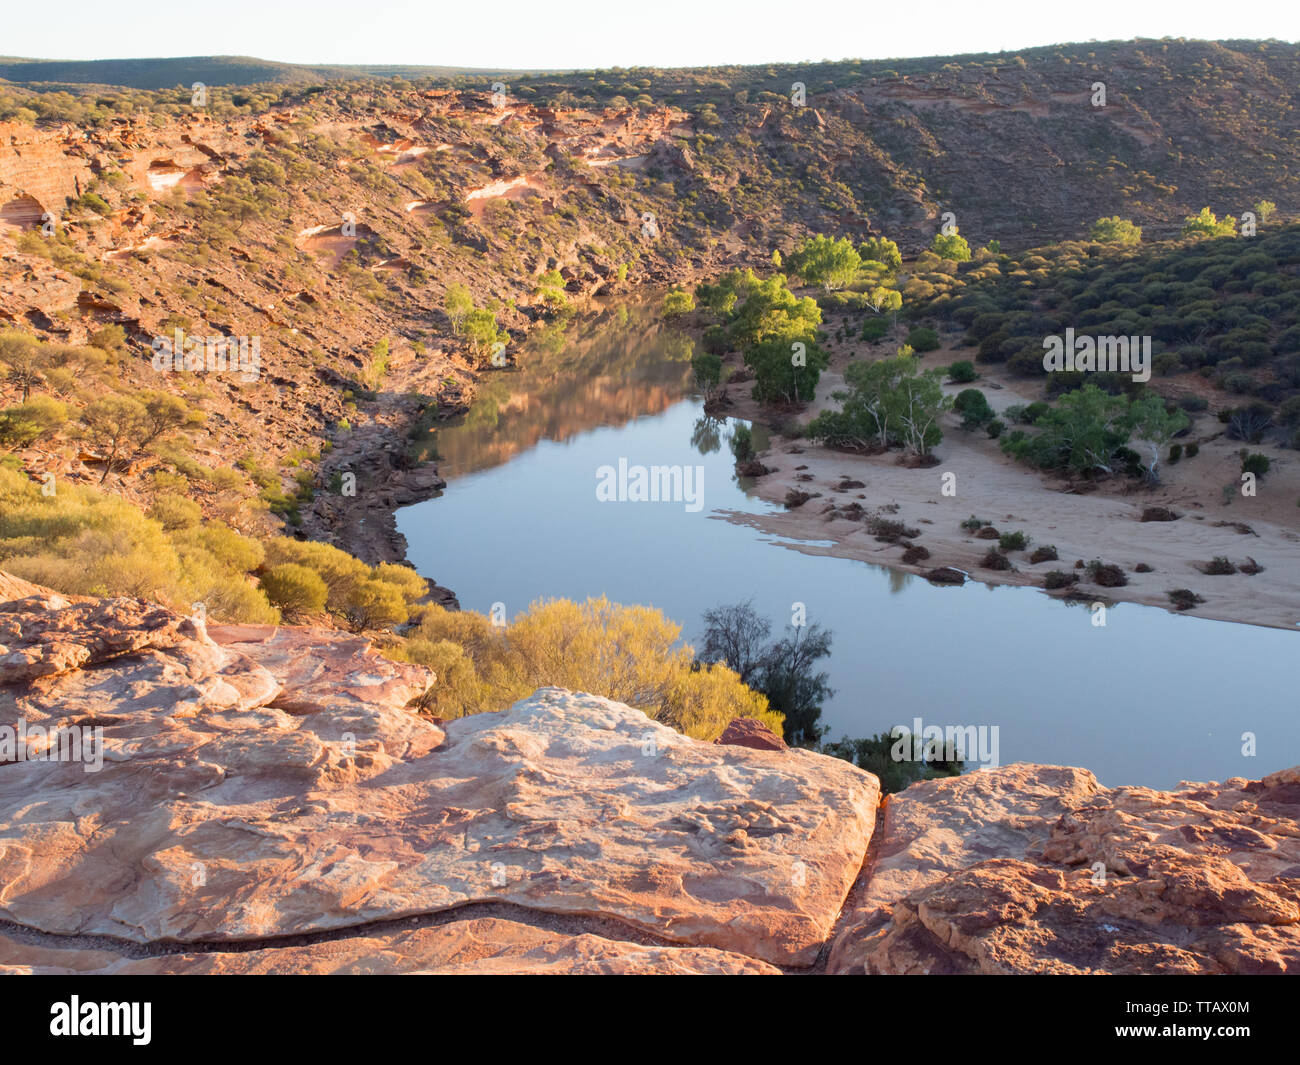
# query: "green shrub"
[[29, 423], [961, 373], [874, 329], [175, 511], [1255, 463], [677, 303], [922, 339], [295, 589], [1013, 541], [973, 406], [230, 547]]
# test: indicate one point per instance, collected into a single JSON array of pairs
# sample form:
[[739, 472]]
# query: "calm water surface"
[[1152, 698]]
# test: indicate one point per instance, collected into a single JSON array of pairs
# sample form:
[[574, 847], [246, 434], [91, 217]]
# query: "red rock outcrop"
[[1038, 869], [256, 783], [256, 799]]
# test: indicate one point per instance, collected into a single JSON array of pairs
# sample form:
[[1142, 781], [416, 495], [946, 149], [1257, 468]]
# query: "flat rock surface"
[[1037, 869], [263, 782]]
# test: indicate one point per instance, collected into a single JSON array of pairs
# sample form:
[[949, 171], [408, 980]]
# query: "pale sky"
[[585, 34]]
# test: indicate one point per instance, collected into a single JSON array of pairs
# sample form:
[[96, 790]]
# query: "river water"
[[1152, 698]]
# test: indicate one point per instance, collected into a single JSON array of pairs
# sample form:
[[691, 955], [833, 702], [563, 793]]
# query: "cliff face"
[[325, 222], [268, 800]]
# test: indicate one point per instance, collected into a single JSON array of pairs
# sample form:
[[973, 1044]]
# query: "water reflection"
[[574, 375], [706, 436]]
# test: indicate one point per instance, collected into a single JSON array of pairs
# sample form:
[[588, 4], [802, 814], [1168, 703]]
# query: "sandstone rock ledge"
[[1038, 869], [270, 802]]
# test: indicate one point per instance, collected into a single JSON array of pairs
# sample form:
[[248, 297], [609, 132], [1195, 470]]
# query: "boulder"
[[747, 732]]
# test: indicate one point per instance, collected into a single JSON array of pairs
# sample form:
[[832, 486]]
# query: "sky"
[[586, 34]]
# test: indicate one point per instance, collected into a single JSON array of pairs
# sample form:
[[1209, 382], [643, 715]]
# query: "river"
[[1151, 699]]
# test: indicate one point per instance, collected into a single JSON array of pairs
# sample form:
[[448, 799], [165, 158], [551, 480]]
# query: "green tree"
[[457, 304], [29, 423], [676, 303], [482, 332], [884, 300], [823, 261], [550, 289], [770, 311], [113, 425], [890, 401], [881, 250], [721, 296], [951, 246], [708, 371], [1205, 224], [786, 371], [24, 358], [785, 671], [1152, 422], [918, 401], [794, 687], [1264, 210], [1081, 433], [1115, 230]]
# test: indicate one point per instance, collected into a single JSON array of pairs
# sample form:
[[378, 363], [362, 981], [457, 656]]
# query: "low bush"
[[175, 511], [915, 553], [923, 339], [1106, 574], [1013, 541], [961, 373], [1255, 463], [1184, 598]]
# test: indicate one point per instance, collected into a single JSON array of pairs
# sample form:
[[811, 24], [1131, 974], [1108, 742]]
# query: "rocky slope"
[[270, 800], [328, 219]]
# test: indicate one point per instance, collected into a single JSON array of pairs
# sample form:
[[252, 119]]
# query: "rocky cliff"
[[246, 799]]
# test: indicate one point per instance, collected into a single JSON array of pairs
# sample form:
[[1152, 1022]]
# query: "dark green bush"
[[923, 339]]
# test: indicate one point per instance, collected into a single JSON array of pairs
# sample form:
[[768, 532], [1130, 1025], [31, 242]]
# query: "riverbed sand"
[[1098, 522]]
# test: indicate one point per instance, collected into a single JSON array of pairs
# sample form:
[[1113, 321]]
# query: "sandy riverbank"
[[1102, 523]]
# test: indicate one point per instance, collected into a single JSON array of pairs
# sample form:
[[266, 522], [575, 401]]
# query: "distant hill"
[[211, 70]]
